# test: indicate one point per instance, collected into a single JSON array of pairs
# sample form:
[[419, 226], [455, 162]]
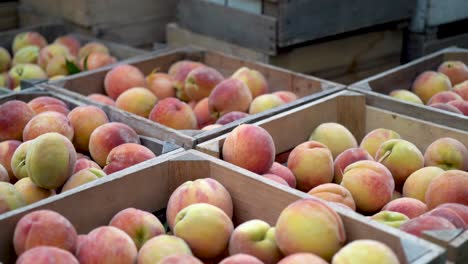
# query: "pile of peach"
[[39, 141], [34, 58], [371, 178], [199, 214], [212, 100], [446, 89]]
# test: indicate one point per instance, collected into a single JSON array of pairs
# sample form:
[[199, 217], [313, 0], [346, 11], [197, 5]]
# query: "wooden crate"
[[277, 24], [134, 23], [52, 31], [150, 185], [344, 59], [377, 88], [307, 87], [351, 110], [8, 15]]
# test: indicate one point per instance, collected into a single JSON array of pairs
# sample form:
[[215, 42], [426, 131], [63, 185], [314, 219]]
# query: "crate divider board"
[[377, 88], [150, 185], [351, 110], [308, 88]]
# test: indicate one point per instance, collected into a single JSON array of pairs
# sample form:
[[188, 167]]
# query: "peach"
[[138, 100], [85, 119], [254, 80], [264, 102], [28, 54], [47, 103], [84, 163], [159, 247], [91, 47], [229, 95], [428, 83], [174, 113], [417, 183], [73, 44], [456, 71], [96, 60], [450, 215], [407, 96], [34, 229], [4, 177], [108, 136], [5, 59], [365, 251], [446, 107], [202, 112], [140, 225], [393, 219], [372, 141], [30, 192], [447, 153], [283, 172], [460, 105], [332, 192], [24, 71], [28, 39], [10, 198], [448, 187], [460, 209], [51, 51], [346, 158], [180, 259], [335, 136], [231, 117], [4, 82], [81, 177], [241, 259], [57, 66], [286, 96], [199, 191], [401, 157], [250, 147], [7, 149], [100, 98], [160, 84], [276, 179], [179, 72], [444, 97], [201, 81], [14, 115], [121, 78], [408, 206], [462, 90], [213, 225], [371, 184], [18, 161], [47, 122], [418, 225], [126, 155], [50, 160], [302, 258], [107, 245], [46, 255], [255, 238], [192, 104], [317, 229], [312, 164]]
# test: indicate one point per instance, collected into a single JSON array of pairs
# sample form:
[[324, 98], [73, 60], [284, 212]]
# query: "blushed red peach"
[[121, 78], [448, 187], [47, 122], [47, 103], [254, 80], [174, 113], [428, 83], [346, 158], [126, 155], [444, 97], [286, 96], [229, 95], [202, 113], [14, 115], [408, 206], [46, 255], [178, 72], [161, 85], [7, 149], [250, 147], [283, 172], [85, 119], [372, 141], [418, 225], [457, 71], [201, 81], [332, 192], [103, 99]]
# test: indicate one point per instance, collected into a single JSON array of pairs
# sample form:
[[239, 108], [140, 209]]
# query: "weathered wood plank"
[[229, 24]]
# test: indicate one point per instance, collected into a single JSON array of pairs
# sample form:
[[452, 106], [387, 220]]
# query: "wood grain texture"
[[229, 24]]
